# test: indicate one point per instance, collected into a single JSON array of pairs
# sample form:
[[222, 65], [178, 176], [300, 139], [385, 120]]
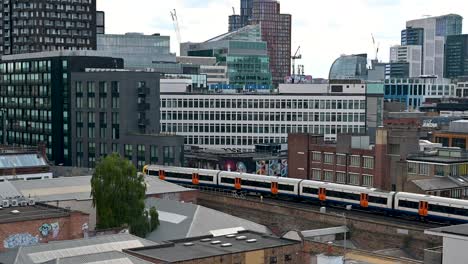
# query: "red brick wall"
[[69, 227]]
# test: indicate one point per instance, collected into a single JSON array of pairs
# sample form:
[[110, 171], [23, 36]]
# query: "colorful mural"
[[277, 168], [17, 240]]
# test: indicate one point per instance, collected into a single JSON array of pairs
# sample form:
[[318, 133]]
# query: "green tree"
[[154, 218], [118, 194]]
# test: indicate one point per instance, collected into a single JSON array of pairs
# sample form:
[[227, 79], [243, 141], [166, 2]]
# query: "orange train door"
[[237, 183], [162, 175], [195, 179], [322, 194], [423, 208], [364, 200], [274, 188]]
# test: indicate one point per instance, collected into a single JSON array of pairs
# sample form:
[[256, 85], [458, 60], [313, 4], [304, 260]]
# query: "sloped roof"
[[21, 161], [181, 220], [247, 33], [43, 253], [7, 189], [112, 257]]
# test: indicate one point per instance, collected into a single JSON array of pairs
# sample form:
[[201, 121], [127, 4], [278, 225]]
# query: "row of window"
[[342, 177], [439, 170], [344, 195], [357, 161], [246, 103]]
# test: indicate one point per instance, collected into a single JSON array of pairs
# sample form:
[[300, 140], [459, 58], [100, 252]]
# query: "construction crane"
[[376, 47], [175, 20], [295, 57], [233, 11]]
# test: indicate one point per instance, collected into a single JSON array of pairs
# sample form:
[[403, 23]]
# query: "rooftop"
[[441, 183], [458, 230], [31, 212], [111, 257], [7, 189], [181, 220], [211, 246], [85, 248], [48, 54], [79, 188], [442, 156]]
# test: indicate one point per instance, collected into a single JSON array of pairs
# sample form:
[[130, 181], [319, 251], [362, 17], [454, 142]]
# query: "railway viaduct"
[[367, 232]]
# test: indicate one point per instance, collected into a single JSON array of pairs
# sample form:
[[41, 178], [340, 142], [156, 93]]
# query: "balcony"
[[143, 107]]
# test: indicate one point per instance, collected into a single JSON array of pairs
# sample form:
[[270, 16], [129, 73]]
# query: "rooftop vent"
[[231, 236], [226, 245], [216, 242], [15, 212], [205, 240], [251, 240], [241, 238], [188, 244]]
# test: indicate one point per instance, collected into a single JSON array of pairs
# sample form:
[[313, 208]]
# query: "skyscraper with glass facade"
[[242, 51], [456, 56], [349, 67], [276, 31], [238, 21]]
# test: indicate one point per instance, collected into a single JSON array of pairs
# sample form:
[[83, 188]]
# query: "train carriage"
[[431, 207], [183, 175], [346, 195]]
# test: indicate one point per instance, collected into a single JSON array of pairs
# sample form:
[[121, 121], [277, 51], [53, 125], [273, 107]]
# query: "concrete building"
[[75, 193], [140, 51], [411, 54], [414, 92], [106, 248], [34, 26], [227, 119], [229, 247], [455, 136], [185, 220], [435, 30], [455, 241], [23, 164], [215, 73], [24, 222]]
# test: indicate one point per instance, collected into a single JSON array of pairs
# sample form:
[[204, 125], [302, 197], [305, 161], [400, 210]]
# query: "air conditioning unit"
[[24, 203], [14, 203], [31, 201], [5, 203]]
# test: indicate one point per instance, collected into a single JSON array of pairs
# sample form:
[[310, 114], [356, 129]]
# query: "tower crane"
[[175, 20], [376, 47], [295, 57]]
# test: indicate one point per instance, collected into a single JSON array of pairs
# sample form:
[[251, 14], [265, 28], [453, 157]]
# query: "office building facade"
[[227, 120], [243, 53], [238, 21], [456, 56], [349, 67], [276, 32], [412, 36], [411, 54], [436, 29], [118, 111], [34, 26]]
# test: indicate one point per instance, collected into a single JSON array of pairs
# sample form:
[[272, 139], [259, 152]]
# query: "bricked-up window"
[[368, 180], [328, 176], [355, 161], [328, 158], [340, 159], [412, 168], [316, 156], [316, 174], [423, 169], [341, 177], [353, 179], [273, 260], [368, 162]]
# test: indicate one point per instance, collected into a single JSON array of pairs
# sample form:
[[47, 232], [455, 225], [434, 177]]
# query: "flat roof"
[[57, 53], [437, 159], [28, 213], [440, 183], [460, 230], [195, 248]]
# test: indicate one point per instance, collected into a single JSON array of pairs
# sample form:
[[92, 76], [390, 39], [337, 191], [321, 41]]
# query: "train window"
[[448, 209], [309, 190], [257, 184], [408, 204], [377, 200], [285, 187], [178, 175], [153, 173], [343, 195], [227, 180], [205, 178]]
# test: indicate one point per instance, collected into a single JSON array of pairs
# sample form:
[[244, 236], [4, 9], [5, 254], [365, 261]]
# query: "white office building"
[[411, 54], [227, 119]]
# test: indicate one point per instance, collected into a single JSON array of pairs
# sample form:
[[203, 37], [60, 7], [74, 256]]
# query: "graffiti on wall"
[[46, 229], [17, 240]]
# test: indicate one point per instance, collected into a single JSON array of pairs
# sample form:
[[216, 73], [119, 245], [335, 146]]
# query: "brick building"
[[30, 223], [243, 247]]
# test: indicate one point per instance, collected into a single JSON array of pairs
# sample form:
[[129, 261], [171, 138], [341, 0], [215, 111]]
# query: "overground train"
[[416, 206]]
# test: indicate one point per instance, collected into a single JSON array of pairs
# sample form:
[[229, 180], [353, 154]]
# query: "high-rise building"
[[234, 23], [411, 54], [456, 56], [349, 67], [242, 51], [436, 29], [34, 26], [238, 21], [100, 22], [276, 31], [412, 36]]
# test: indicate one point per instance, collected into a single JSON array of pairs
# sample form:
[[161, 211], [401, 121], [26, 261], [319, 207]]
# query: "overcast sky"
[[324, 29]]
